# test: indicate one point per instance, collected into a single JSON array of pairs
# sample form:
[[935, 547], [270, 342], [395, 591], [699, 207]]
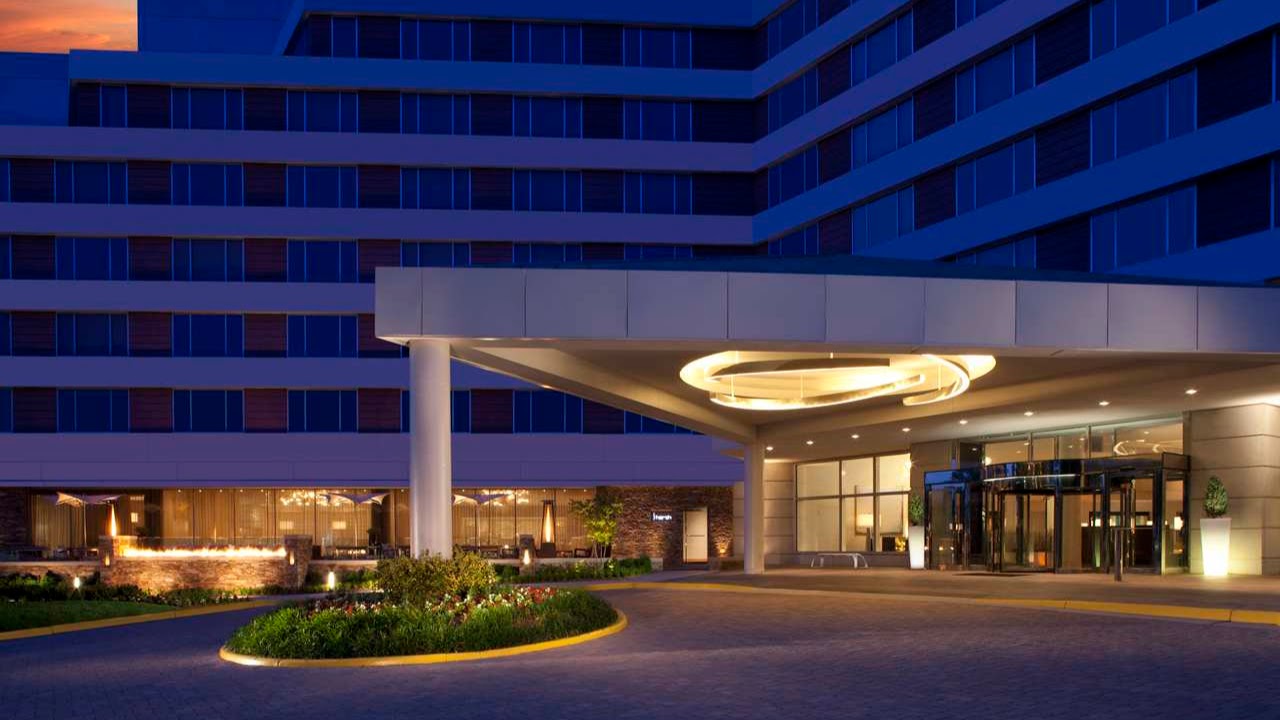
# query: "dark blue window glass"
[[92, 334], [208, 335], [6, 410], [461, 411], [344, 37], [882, 49], [323, 111], [435, 114], [322, 187], [64, 184], [208, 109], [435, 189], [1182, 104], [1104, 134], [1182, 220], [323, 337], [297, 336], [181, 335], [435, 254], [547, 191], [323, 264], [1140, 120], [180, 108], [92, 257], [659, 193], [350, 112], [547, 43], [208, 411], [1104, 27], [658, 49], [113, 106], [296, 112], [658, 120], [994, 176], [235, 101], [882, 135], [1135, 18], [323, 411], [91, 182], [1140, 231], [1103, 241], [208, 185], [208, 260], [966, 187], [6, 335], [520, 420], [547, 117], [435, 40], [882, 220], [994, 80], [1024, 165]]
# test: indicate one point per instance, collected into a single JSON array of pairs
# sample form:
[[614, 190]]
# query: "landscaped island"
[[426, 606]]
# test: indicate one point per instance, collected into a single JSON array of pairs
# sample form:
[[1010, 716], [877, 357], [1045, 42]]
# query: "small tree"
[[915, 510], [600, 515], [1215, 498]]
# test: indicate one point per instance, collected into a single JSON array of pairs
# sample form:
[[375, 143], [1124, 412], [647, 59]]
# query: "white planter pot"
[[1215, 545], [915, 546]]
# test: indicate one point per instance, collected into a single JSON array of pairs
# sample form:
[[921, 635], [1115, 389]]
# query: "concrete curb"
[[429, 659], [132, 619], [1149, 610]]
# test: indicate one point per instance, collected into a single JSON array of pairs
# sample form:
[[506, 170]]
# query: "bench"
[[820, 560]]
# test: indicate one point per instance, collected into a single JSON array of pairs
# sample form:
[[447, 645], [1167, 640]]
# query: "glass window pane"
[[892, 519], [817, 525], [859, 524], [995, 453], [816, 479], [895, 472], [857, 476]]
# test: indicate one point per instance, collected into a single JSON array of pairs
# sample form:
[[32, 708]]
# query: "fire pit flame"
[[203, 552]]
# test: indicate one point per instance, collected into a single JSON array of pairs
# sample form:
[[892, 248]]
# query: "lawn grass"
[[23, 615]]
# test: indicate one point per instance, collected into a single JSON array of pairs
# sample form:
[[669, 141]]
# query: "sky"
[[59, 25]]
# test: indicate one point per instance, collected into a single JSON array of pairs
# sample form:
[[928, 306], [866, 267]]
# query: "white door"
[[695, 535]]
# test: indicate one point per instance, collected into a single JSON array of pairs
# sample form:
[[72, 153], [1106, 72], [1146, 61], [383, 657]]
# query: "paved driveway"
[[693, 655]]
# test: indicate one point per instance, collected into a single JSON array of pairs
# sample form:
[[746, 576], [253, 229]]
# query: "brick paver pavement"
[[693, 655]]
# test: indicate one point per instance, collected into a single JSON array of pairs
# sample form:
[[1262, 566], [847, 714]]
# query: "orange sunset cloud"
[[60, 25]]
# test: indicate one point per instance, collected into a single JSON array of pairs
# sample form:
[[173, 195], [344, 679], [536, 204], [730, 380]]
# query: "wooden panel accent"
[[935, 197], [835, 234], [265, 335], [602, 191], [491, 189], [85, 105], [491, 411], [32, 257], [833, 76], [368, 343], [603, 251], [150, 410], [379, 111], [491, 253], [379, 410], [149, 182], [33, 333], [1063, 43], [35, 410], [374, 254], [31, 180], [265, 260], [379, 37], [600, 419], [379, 186], [935, 106], [266, 410], [148, 106], [834, 155], [150, 258], [151, 334], [264, 109], [264, 184]]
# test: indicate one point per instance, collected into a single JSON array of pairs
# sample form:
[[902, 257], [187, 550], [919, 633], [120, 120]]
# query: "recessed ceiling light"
[[1029, 413], [808, 442], [906, 429], [855, 436], [768, 448], [963, 421], [1103, 403], [1192, 391]]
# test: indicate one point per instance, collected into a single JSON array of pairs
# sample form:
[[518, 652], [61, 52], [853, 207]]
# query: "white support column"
[[431, 451], [753, 508]]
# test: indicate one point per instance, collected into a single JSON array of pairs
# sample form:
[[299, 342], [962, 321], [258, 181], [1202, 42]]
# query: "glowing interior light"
[[331, 581], [113, 529], [760, 380], [202, 552], [75, 583]]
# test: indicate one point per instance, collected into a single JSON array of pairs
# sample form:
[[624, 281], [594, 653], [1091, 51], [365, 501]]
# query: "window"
[[993, 80], [1235, 80], [1062, 44], [994, 176], [322, 411], [1140, 231], [1062, 149], [855, 505], [1233, 202], [1140, 120], [935, 106], [93, 411], [91, 334], [1065, 246], [208, 411], [35, 410]]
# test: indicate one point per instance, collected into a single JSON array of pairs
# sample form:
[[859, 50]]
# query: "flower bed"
[[368, 625]]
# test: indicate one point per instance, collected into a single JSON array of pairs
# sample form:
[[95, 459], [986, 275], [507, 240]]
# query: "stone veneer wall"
[[1241, 445], [38, 568], [638, 534], [13, 518], [158, 574]]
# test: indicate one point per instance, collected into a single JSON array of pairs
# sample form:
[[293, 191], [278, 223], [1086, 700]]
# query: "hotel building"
[[418, 274]]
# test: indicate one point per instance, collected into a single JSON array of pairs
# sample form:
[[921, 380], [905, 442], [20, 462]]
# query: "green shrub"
[[372, 629], [1215, 498], [915, 510], [625, 567], [407, 580]]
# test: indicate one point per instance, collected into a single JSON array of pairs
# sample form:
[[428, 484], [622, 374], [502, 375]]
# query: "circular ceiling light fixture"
[[762, 380]]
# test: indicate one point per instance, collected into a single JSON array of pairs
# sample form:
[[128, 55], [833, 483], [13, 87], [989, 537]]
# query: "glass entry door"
[[1083, 536], [1026, 524], [947, 527]]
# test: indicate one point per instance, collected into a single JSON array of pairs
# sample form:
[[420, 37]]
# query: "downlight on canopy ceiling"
[[794, 381]]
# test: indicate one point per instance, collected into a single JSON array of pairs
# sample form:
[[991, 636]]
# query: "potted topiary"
[[1215, 530], [915, 531]]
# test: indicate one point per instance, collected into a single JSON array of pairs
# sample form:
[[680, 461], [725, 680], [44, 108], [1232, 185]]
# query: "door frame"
[[684, 535]]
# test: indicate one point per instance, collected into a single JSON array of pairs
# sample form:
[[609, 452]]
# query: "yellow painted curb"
[[429, 659], [1177, 612], [132, 619]]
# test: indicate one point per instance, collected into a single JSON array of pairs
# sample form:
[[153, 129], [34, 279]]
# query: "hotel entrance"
[[1060, 515]]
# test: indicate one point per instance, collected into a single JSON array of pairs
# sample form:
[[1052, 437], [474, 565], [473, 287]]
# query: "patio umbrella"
[[82, 501], [360, 498]]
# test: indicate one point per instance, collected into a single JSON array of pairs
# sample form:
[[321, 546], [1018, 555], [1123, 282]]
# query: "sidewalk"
[[1236, 593]]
